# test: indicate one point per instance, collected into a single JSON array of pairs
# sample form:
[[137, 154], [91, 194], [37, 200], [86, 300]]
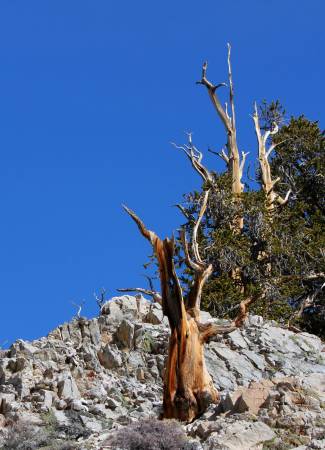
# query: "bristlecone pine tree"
[[280, 250], [229, 235]]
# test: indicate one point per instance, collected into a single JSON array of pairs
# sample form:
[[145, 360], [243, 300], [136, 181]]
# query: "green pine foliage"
[[278, 256]]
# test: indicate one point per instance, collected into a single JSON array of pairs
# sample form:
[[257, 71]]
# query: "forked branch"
[[214, 97], [268, 183], [195, 156], [234, 163], [201, 269]]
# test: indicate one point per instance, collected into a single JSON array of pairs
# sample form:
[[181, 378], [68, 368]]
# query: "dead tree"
[[188, 387]]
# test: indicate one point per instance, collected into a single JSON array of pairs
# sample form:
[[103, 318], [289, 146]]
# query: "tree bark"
[[271, 196], [235, 162], [188, 387]]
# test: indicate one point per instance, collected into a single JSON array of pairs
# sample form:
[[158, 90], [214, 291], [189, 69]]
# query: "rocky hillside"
[[88, 378]]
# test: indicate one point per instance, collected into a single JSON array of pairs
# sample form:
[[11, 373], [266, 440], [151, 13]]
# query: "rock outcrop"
[[90, 377]]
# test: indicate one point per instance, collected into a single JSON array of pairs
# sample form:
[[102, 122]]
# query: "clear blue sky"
[[91, 94]]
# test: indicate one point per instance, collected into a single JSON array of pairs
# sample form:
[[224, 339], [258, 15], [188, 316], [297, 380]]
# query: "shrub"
[[150, 434], [23, 436]]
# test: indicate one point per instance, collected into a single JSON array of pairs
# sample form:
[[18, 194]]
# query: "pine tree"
[[280, 251]]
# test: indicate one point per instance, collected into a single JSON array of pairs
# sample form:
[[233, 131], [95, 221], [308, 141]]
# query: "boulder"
[[155, 315], [253, 397], [109, 370], [110, 357], [68, 389], [240, 435], [94, 332], [125, 334], [6, 400]]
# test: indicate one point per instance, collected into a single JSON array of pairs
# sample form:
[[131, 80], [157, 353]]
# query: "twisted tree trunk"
[[188, 387]]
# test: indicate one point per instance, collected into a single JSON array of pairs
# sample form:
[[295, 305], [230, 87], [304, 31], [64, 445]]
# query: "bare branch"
[[214, 98], [150, 282], [231, 90], [171, 291], [188, 260], [242, 163], [226, 110], [79, 308], [150, 235], [183, 210], [195, 245], [210, 330], [221, 154], [248, 174], [314, 276], [195, 156], [306, 303], [274, 182], [268, 183], [270, 132], [154, 294], [283, 201]]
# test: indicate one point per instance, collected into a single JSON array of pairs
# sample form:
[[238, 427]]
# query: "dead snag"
[[188, 387], [235, 163]]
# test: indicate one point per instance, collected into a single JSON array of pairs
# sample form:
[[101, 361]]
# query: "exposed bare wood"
[[234, 163], [79, 308], [195, 245], [210, 330], [188, 387], [100, 300], [193, 302], [231, 90], [195, 156], [214, 98], [154, 294], [188, 260], [314, 276], [221, 155], [268, 183], [242, 163], [283, 201]]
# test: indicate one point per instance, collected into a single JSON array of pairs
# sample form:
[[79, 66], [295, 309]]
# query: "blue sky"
[[91, 94]]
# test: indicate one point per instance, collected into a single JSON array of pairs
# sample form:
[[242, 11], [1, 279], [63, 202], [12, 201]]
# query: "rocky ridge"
[[90, 377]]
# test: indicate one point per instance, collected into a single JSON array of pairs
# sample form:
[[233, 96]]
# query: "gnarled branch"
[[210, 330], [195, 156], [154, 294], [263, 154], [171, 292]]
